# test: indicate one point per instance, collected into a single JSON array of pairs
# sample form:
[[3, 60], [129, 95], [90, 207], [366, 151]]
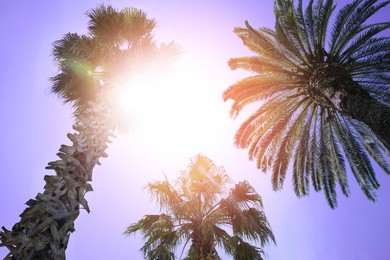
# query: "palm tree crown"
[[197, 207], [118, 45], [325, 96]]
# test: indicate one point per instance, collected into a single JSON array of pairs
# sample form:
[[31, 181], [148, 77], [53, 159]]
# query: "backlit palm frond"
[[289, 33], [167, 197], [259, 42], [137, 24], [245, 196], [263, 121], [75, 55], [74, 48], [290, 136], [158, 253], [106, 25], [159, 235], [206, 179], [253, 225], [199, 168], [242, 250], [157, 230], [221, 237], [151, 224], [252, 89], [300, 176]]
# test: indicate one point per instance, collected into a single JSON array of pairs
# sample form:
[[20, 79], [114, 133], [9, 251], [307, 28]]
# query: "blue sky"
[[194, 120]]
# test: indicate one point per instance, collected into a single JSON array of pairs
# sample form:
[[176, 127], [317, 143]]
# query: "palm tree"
[[197, 208], [325, 97], [91, 68]]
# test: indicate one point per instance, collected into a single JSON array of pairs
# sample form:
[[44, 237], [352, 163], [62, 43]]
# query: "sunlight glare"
[[170, 109]]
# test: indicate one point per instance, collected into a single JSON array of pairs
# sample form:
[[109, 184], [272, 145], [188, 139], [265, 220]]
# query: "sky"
[[187, 118]]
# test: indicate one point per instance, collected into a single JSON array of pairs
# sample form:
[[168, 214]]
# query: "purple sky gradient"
[[34, 124]]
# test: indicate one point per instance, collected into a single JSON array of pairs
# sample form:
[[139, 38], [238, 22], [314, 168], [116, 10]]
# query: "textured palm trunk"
[[202, 247], [196, 253], [332, 86], [361, 106], [45, 226]]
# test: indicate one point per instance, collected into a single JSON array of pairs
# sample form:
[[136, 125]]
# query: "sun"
[[171, 109]]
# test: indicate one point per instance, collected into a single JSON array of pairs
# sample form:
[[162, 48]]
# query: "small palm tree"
[[197, 208], [326, 98], [91, 69]]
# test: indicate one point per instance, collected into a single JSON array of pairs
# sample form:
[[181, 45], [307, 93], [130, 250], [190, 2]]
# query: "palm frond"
[[159, 235], [253, 225], [259, 42], [245, 196], [137, 25], [252, 89], [314, 152], [301, 171], [356, 14], [310, 22], [287, 143], [337, 159], [273, 128], [258, 122], [166, 196], [287, 33], [327, 163], [76, 83], [371, 146], [325, 11], [371, 46], [242, 250], [353, 152], [360, 41]]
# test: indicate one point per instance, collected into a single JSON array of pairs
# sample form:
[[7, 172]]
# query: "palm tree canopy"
[[324, 96], [197, 207], [118, 44]]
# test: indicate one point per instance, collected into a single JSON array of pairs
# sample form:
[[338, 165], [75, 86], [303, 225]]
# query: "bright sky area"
[[189, 117]]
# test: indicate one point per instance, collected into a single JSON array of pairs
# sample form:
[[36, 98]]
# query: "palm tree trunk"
[[202, 247], [361, 106], [332, 86], [45, 226]]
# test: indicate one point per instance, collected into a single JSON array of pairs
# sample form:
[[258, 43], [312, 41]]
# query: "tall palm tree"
[[91, 69], [325, 98], [197, 207]]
